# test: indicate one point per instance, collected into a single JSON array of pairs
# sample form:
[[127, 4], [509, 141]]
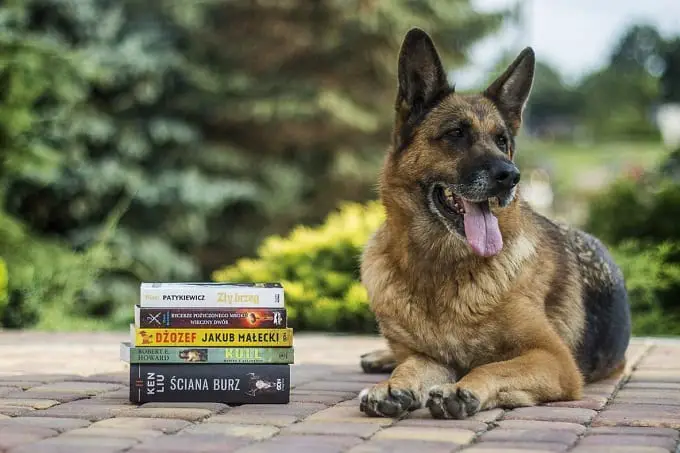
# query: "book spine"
[[207, 318], [223, 383], [262, 338], [132, 354], [210, 297]]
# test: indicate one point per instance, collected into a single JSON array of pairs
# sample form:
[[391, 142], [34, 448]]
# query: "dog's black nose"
[[504, 175]]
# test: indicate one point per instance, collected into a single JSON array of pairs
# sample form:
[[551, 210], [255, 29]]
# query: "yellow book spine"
[[214, 337]]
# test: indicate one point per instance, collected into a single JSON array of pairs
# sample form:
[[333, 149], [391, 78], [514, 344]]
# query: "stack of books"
[[210, 342]]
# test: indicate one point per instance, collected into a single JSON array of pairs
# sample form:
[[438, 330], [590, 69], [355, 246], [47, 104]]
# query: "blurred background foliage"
[[172, 140]]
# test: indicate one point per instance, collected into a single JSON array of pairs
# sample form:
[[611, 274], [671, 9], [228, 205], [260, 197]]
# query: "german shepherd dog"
[[483, 302]]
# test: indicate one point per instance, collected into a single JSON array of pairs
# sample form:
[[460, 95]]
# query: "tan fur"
[[467, 333]]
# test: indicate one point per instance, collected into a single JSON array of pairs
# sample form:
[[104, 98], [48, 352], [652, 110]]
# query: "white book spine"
[[210, 296]]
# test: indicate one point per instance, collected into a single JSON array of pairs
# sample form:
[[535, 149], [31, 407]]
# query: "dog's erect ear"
[[511, 89], [422, 79]]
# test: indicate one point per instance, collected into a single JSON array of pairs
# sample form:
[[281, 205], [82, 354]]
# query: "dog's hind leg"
[[380, 361]]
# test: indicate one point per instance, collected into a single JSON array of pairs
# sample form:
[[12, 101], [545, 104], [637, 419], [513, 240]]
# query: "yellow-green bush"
[[3, 284], [319, 268]]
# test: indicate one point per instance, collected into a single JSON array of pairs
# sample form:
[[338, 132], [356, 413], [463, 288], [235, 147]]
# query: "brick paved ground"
[[67, 393]]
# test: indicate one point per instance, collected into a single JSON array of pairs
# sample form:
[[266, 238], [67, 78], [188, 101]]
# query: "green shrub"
[[3, 285], [319, 268], [640, 222], [45, 279], [652, 274], [647, 210]]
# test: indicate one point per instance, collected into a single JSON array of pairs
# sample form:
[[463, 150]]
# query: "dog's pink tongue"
[[481, 229]]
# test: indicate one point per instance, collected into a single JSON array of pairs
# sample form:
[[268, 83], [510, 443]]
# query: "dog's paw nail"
[[470, 400], [436, 393]]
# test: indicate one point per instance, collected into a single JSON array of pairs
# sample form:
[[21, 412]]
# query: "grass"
[[569, 163]]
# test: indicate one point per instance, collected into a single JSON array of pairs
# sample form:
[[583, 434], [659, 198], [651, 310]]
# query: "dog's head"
[[452, 154]]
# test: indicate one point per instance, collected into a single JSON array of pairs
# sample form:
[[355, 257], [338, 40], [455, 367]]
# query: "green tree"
[[220, 122], [670, 78], [618, 99], [40, 85]]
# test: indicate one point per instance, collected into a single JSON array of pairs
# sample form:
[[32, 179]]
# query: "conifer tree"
[[219, 121]]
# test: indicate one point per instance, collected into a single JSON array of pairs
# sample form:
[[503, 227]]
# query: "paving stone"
[[655, 409], [116, 433], [182, 413], [122, 377], [359, 377], [593, 403], [212, 407], [538, 424], [299, 409], [37, 431], [647, 393], [79, 444], [38, 378], [303, 444], [481, 448], [352, 402], [430, 422], [88, 388], [616, 449], [254, 419], [193, 443], [57, 424], [621, 418], [4, 391], [15, 439], [635, 384], [363, 430], [61, 397], [348, 415], [120, 394], [669, 376], [14, 411], [91, 412], [28, 402], [404, 446], [321, 399], [629, 440], [257, 432], [488, 416], [531, 435], [522, 446], [647, 401], [559, 414], [22, 385], [635, 431], [457, 436], [334, 385], [164, 425]]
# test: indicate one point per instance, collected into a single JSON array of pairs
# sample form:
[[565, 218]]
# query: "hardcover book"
[[131, 354], [211, 295], [262, 338], [219, 383], [204, 318]]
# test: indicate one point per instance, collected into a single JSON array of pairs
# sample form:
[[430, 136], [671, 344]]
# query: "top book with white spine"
[[211, 295]]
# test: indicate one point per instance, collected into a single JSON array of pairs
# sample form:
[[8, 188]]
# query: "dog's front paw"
[[385, 400], [450, 401]]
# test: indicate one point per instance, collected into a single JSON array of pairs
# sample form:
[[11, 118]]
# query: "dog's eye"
[[455, 132], [502, 143]]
